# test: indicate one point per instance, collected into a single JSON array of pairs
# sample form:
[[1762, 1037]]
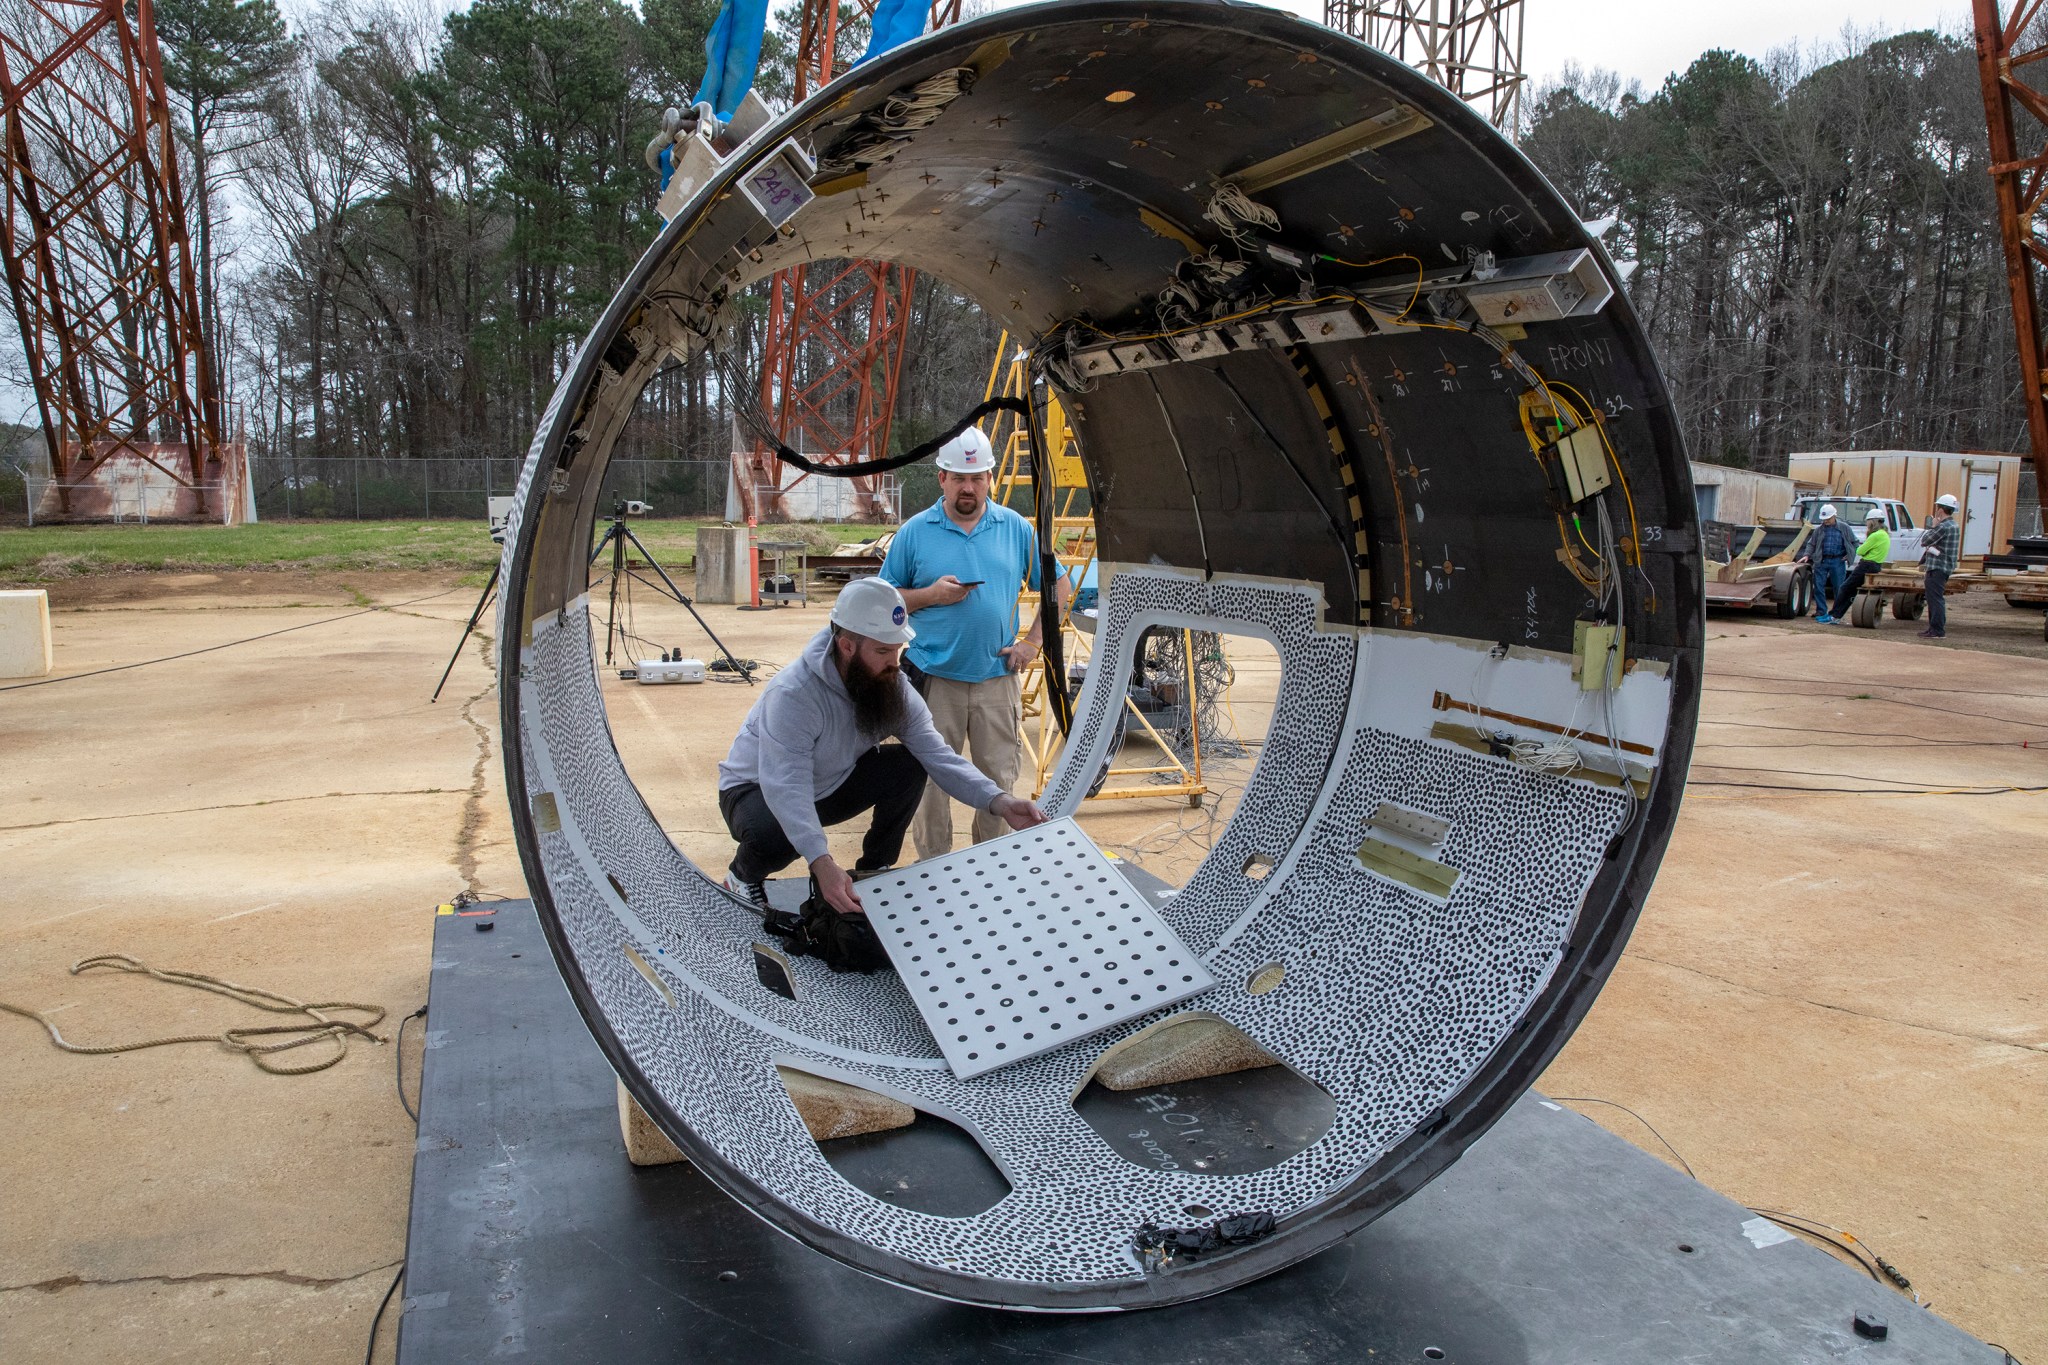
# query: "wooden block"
[[829, 1109], [1181, 1051], [833, 1109], [646, 1144]]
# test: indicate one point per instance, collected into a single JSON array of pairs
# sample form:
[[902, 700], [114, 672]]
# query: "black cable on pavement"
[[399, 1051], [1862, 1253], [1894, 686], [1876, 790], [1887, 701], [1588, 1099], [249, 640], [370, 1351]]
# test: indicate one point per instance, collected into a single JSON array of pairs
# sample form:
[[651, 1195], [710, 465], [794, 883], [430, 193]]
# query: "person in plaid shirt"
[[1939, 551]]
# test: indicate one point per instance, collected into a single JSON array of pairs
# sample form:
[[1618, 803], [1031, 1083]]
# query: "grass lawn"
[[43, 554]]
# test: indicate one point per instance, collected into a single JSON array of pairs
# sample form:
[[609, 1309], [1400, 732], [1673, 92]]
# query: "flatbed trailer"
[[1756, 567], [1904, 591]]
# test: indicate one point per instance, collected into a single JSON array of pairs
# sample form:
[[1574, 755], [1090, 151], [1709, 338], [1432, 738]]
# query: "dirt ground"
[[1833, 1005]]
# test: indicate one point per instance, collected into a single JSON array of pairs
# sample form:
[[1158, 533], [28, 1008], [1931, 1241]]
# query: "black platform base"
[[1552, 1241]]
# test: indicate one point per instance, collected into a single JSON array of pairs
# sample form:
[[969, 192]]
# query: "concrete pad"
[[24, 633], [250, 1319], [245, 814], [1832, 1003]]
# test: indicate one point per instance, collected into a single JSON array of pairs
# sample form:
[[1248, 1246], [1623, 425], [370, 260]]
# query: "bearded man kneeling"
[[811, 754]]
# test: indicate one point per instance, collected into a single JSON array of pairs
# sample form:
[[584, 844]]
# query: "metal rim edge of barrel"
[[1378, 503]]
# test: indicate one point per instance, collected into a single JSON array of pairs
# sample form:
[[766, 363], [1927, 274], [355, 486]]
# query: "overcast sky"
[[1647, 40], [1643, 40]]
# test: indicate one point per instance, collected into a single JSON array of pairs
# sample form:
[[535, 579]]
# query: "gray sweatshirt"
[[800, 742]]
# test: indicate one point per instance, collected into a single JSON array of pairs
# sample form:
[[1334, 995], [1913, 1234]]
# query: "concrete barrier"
[[24, 633], [724, 570]]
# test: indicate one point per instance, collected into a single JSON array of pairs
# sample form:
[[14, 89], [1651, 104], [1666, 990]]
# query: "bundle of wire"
[[1164, 655], [876, 135]]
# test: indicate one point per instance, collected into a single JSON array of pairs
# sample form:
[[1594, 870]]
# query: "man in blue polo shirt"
[[961, 565]]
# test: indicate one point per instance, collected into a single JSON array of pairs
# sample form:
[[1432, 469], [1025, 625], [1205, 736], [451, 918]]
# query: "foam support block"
[[25, 633]]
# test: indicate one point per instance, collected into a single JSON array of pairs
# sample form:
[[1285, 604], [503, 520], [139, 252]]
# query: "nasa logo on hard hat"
[[897, 617]]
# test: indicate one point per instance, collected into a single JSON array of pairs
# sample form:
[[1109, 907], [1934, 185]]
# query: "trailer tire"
[[1908, 606], [1797, 596], [1865, 613]]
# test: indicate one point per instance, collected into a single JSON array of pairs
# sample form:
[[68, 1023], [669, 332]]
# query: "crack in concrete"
[[63, 1282], [466, 858], [1840, 1009], [233, 805]]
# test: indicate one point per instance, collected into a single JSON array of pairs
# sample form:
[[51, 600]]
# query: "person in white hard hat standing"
[[1829, 549], [810, 754], [1940, 548], [1871, 553], [961, 565]]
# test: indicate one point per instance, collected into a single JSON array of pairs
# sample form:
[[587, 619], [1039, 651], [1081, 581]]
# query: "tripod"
[[481, 602], [618, 536]]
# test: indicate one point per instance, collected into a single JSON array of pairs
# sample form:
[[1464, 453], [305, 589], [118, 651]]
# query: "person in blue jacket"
[[1829, 549]]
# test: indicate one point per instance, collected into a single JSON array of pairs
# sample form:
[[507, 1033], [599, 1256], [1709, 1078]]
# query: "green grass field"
[[44, 554]]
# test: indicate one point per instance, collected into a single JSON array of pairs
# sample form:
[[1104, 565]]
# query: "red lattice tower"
[[99, 268], [852, 318], [2016, 114], [1473, 48]]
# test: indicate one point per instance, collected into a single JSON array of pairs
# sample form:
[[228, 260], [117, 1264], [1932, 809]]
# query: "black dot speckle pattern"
[[1389, 1002]]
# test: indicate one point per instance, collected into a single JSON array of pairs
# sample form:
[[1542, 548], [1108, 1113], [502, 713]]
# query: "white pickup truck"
[[1852, 511]]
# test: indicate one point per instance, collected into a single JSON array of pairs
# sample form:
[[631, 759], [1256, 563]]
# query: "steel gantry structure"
[[2016, 115], [1473, 48], [833, 357], [99, 267]]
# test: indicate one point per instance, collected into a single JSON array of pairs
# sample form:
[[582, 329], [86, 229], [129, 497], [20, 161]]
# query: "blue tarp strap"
[[732, 53], [896, 23]]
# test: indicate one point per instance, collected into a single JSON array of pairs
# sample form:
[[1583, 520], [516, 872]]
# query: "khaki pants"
[[982, 721]]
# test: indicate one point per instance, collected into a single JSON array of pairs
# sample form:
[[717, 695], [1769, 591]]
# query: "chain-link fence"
[[390, 490]]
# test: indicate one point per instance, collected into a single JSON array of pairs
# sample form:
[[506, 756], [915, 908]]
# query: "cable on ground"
[[1861, 1253], [370, 1351], [1588, 1099], [321, 1028], [399, 1052], [209, 649]]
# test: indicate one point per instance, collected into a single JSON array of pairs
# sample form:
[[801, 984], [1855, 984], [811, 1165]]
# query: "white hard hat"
[[870, 607], [1827, 511], [967, 453], [1874, 514], [1947, 500]]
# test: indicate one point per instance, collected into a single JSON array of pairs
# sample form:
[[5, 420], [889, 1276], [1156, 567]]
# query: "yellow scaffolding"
[[1074, 550]]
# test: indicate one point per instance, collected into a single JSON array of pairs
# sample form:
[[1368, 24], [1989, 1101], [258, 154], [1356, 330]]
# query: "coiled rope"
[[244, 1040]]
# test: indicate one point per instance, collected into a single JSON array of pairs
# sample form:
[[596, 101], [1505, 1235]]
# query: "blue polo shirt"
[[960, 640]]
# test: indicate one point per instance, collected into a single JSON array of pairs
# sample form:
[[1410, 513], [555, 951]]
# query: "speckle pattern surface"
[[1025, 943], [1388, 1000]]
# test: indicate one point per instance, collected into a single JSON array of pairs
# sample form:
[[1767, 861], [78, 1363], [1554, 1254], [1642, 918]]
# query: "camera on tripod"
[[632, 507]]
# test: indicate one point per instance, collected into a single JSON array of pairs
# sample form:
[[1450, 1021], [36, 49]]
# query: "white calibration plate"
[[1025, 943]]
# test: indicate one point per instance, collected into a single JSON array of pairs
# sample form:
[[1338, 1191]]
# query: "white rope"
[[1234, 213]]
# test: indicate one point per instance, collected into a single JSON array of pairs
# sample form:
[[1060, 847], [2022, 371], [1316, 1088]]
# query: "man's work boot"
[[753, 893]]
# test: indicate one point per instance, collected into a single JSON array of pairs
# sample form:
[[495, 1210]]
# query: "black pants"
[[1846, 598], [1937, 602], [887, 780]]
